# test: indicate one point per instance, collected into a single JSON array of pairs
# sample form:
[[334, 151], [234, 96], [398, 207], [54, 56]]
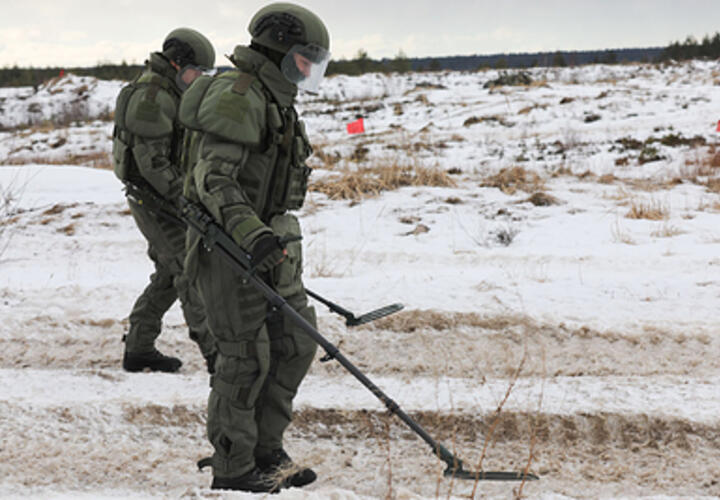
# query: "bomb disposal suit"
[[248, 171], [147, 143]]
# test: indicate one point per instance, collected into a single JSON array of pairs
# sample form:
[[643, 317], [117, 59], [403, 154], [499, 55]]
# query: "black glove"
[[267, 252]]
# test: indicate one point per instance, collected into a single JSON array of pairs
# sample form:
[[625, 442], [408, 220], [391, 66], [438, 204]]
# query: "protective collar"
[[269, 74]]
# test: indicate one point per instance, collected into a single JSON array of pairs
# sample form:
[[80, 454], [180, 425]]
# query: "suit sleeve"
[[215, 177], [151, 118]]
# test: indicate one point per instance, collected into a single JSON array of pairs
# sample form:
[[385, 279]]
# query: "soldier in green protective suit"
[[248, 171], [147, 144]]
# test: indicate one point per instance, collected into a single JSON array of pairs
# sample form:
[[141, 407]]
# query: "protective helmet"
[[299, 34], [185, 46]]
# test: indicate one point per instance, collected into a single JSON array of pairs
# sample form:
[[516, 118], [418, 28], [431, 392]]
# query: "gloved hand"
[[267, 252]]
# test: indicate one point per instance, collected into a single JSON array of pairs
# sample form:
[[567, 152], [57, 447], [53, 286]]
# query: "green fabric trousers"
[[166, 248], [262, 357]]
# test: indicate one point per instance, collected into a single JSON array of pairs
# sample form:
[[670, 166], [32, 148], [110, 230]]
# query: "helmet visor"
[[305, 65], [187, 75]]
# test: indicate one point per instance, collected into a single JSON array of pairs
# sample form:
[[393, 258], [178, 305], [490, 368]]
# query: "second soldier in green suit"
[[147, 147]]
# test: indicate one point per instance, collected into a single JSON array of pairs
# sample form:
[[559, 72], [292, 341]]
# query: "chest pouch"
[[298, 172]]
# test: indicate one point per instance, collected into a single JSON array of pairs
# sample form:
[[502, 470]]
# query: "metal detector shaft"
[[217, 239], [331, 305], [350, 318]]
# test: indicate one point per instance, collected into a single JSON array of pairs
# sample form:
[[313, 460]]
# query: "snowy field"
[[556, 246]]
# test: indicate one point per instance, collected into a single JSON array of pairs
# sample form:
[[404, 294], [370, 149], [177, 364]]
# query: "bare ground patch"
[[434, 343], [428, 343], [57, 343], [174, 416], [610, 430], [153, 451], [409, 321]]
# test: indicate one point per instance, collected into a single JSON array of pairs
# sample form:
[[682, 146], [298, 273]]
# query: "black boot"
[[280, 463], [154, 360], [254, 481]]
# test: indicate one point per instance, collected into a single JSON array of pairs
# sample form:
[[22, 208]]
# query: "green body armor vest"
[[147, 108], [238, 108]]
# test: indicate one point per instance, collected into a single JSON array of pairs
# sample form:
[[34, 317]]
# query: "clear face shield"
[[305, 65], [187, 75]]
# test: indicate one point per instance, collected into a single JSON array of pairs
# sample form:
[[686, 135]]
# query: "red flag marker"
[[718, 127], [356, 127], [62, 73]]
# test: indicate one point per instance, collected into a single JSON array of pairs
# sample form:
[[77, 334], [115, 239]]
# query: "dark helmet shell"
[[280, 26], [187, 46]]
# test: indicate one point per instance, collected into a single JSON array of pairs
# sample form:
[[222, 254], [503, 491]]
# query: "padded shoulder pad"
[[121, 105], [231, 106], [190, 102], [150, 112]]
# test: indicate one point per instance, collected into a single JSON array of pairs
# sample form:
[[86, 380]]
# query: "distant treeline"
[[32, 77], [708, 48], [362, 64], [544, 59]]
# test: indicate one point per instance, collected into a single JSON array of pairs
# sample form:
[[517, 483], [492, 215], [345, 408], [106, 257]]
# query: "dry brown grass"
[[321, 158], [423, 99], [585, 430], [410, 321], [621, 195], [713, 185], [562, 170], [542, 199], [542, 82], [499, 119], [157, 415], [99, 160], [102, 323], [510, 180], [42, 127], [69, 230], [58, 208], [650, 210], [528, 109], [667, 231], [704, 168], [355, 184], [9, 221]]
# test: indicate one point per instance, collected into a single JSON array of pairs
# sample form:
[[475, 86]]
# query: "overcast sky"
[[85, 32]]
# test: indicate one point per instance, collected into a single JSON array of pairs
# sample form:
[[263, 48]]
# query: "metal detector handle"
[[332, 306]]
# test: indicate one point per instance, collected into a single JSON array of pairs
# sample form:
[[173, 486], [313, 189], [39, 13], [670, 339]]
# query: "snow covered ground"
[[569, 257]]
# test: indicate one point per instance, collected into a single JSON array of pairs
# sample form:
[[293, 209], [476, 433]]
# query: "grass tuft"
[[510, 180], [667, 231], [542, 199], [372, 180], [651, 210]]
